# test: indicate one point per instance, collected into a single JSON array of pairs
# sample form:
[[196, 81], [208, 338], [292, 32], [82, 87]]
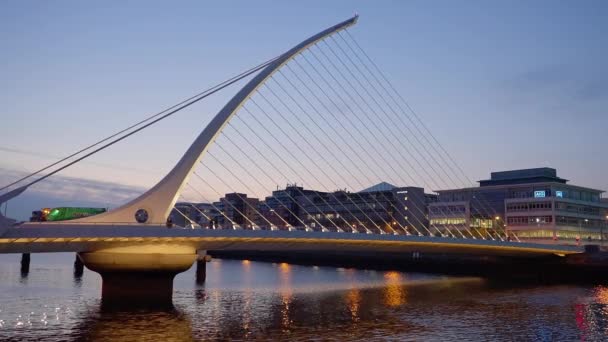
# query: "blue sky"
[[502, 85]]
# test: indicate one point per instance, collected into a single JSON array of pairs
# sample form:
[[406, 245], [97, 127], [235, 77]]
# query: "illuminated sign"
[[539, 193], [559, 194]]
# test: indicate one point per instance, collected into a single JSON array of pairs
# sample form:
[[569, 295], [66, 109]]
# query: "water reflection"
[[258, 301], [592, 316], [601, 294], [394, 291], [286, 293], [145, 325], [353, 300]]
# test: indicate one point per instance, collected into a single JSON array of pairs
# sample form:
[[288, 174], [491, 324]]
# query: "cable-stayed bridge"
[[321, 114]]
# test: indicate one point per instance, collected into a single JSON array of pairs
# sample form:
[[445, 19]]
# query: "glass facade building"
[[531, 204]]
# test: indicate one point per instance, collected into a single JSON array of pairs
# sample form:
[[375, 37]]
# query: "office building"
[[531, 204]]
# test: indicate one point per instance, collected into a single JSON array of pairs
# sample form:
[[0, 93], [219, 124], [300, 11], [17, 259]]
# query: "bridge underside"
[[40, 238]]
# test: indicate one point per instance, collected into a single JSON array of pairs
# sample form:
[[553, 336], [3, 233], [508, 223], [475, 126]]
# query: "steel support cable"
[[427, 152], [329, 150], [272, 164], [240, 181], [270, 178], [221, 212], [283, 204], [228, 202], [339, 121], [392, 123], [326, 121], [482, 203], [302, 165], [236, 193], [297, 160], [375, 114], [211, 202], [325, 147], [312, 160], [184, 215], [158, 117], [416, 116], [424, 146], [337, 145], [199, 211], [447, 227], [428, 132], [195, 208]]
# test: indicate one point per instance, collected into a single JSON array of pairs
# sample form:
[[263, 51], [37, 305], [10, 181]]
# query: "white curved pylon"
[[159, 200]]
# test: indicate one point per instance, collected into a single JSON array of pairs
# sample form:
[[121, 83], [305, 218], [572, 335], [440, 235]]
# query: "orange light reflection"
[[353, 299], [394, 292]]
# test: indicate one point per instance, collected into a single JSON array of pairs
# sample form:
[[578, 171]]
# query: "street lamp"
[[602, 231], [497, 225]]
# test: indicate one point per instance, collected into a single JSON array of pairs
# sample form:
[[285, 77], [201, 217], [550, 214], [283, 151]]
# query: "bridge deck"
[[48, 237]]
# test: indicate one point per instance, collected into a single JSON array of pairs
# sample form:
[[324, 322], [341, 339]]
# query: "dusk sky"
[[502, 85]]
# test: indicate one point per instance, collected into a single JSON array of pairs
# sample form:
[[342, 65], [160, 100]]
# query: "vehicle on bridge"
[[64, 213]]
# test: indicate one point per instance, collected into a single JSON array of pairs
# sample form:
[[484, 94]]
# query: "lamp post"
[[579, 232], [497, 225], [538, 225], [602, 231]]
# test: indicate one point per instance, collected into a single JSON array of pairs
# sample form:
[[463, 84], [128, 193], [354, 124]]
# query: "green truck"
[[71, 213]]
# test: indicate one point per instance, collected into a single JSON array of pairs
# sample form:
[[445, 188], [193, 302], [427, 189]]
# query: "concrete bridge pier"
[[201, 267], [25, 264], [78, 267], [139, 275]]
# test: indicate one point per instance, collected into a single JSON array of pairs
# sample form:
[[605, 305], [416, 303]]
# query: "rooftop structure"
[[530, 203]]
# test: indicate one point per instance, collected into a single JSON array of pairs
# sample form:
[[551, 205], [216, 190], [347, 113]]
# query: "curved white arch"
[[159, 200]]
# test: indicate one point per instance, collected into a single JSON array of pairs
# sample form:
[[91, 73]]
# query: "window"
[[448, 221], [528, 220]]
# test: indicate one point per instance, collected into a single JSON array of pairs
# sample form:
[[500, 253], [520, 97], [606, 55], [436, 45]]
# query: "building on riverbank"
[[382, 208], [530, 204]]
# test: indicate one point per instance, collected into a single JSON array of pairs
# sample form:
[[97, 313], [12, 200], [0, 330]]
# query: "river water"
[[278, 301]]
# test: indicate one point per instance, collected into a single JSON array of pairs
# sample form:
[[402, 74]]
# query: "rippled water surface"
[[265, 301]]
